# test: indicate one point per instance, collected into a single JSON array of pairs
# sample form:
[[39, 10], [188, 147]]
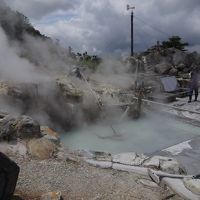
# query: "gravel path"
[[79, 181]]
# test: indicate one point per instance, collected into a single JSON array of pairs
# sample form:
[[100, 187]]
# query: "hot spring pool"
[[146, 135]]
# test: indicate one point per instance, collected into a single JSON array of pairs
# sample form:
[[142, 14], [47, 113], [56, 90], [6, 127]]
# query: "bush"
[[175, 41]]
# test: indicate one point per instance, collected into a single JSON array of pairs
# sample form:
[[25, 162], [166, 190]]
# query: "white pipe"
[[158, 103]]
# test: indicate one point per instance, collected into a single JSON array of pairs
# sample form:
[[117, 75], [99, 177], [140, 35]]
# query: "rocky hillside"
[[170, 61], [15, 24]]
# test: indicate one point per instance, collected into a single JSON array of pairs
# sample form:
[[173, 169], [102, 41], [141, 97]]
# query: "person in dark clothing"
[[194, 85], [9, 172]]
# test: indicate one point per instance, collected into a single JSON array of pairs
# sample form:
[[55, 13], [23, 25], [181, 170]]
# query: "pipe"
[[158, 103]]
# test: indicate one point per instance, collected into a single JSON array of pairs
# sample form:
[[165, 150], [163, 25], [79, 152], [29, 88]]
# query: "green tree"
[[175, 41]]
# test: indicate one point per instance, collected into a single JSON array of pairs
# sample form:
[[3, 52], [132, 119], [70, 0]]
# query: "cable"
[[143, 33], [153, 27]]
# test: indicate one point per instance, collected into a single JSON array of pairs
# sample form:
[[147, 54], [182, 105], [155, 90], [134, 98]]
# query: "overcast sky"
[[101, 26]]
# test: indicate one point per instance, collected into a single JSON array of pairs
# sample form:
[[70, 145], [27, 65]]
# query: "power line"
[[144, 39], [153, 27]]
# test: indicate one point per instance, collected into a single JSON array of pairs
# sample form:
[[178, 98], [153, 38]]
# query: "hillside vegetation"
[[15, 24]]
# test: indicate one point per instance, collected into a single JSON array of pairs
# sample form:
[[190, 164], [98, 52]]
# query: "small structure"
[[170, 84], [170, 89]]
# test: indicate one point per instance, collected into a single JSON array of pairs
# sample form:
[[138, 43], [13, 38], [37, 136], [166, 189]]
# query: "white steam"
[[14, 68]]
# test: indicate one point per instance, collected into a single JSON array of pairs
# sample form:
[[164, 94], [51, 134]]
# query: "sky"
[[103, 26]]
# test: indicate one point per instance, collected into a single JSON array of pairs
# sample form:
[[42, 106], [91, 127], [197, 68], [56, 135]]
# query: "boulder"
[[130, 158], [154, 162], [178, 57], [180, 66], [171, 166], [27, 127], [173, 71], [163, 68], [49, 134], [25, 92], [41, 148], [166, 164], [9, 172], [23, 127], [159, 55], [192, 184], [68, 89], [125, 158], [192, 58], [18, 147]]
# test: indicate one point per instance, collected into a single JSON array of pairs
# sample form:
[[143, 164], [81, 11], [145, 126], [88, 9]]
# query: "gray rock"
[[163, 68], [178, 57], [68, 89], [18, 148], [101, 156], [180, 66], [192, 184], [154, 162], [86, 154], [192, 58], [27, 127], [130, 158], [19, 127], [166, 164], [170, 166], [173, 71], [125, 158]]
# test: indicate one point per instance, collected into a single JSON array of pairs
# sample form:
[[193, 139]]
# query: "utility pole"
[[132, 34]]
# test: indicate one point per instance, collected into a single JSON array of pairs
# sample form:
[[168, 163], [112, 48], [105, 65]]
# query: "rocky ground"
[[77, 180], [46, 166]]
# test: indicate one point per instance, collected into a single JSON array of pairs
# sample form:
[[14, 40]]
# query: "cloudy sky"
[[101, 26]]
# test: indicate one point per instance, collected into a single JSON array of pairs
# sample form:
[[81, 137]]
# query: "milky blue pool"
[[146, 135]]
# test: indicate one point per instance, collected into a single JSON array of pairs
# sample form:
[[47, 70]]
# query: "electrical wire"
[[153, 27]]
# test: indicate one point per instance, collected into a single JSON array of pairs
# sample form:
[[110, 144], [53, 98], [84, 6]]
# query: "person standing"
[[194, 85]]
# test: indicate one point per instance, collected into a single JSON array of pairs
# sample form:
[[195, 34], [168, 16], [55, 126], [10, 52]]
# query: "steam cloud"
[[31, 66]]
